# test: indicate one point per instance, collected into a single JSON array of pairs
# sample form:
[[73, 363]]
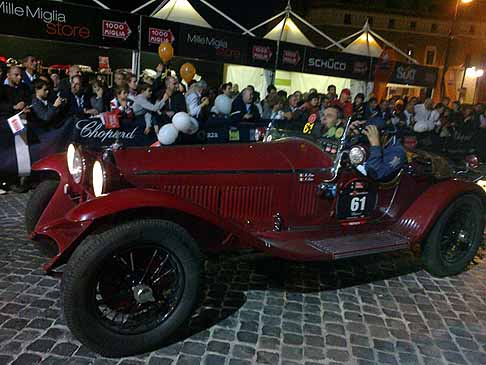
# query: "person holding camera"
[[386, 153], [44, 113]]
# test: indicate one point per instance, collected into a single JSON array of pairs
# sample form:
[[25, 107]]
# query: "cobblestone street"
[[378, 309]]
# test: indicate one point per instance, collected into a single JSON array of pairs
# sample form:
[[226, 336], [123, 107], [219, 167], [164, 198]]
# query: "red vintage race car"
[[131, 224]]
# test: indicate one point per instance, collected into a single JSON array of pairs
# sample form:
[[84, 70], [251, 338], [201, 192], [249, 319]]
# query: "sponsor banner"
[[291, 57], [262, 53], [92, 132], [54, 20], [156, 31], [319, 61], [411, 74], [211, 45]]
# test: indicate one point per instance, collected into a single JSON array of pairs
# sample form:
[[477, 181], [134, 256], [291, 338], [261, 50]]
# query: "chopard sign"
[[95, 129], [204, 40], [33, 12]]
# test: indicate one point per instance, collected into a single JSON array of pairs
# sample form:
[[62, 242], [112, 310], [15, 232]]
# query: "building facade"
[[419, 28]]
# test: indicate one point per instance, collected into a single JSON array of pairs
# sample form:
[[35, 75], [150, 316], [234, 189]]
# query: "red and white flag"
[[16, 124]]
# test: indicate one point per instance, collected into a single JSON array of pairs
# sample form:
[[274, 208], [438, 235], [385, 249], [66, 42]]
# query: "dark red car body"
[[264, 196]]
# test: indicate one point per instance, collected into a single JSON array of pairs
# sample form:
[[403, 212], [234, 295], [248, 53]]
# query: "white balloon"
[[193, 128], [182, 121], [168, 134], [222, 104]]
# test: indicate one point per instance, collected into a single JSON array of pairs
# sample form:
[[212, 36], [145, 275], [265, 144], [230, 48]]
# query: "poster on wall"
[[54, 20]]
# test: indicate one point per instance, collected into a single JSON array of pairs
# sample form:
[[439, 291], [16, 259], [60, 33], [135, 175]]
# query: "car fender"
[[420, 217], [56, 163], [138, 198]]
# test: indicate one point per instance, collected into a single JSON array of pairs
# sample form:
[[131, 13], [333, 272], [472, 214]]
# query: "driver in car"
[[386, 155], [329, 125]]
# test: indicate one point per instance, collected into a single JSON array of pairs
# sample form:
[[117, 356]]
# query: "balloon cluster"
[[181, 122]]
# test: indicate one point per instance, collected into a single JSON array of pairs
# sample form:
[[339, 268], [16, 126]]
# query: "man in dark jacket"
[[14, 96], [30, 71], [243, 108], [44, 113]]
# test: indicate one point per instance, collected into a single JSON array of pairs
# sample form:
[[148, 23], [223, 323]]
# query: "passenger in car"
[[387, 155]]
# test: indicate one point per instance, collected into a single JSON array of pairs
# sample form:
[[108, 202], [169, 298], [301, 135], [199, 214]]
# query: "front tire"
[[128, 289], [455, 238], [38, 202]]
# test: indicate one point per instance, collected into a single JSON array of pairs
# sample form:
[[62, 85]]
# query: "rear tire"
[[38, 202], [455, 237], [94, 291]]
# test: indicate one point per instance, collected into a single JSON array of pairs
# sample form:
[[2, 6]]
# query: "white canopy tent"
[[365, 44], [288, 31], [181, 11]]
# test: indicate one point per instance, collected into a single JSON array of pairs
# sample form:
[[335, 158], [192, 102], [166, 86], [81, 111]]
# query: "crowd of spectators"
[[48, 99]]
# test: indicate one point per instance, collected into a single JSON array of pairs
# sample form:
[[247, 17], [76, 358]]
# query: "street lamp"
[[449, 41]]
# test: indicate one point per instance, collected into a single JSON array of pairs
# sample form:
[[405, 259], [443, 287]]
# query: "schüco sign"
[[60, 21], [328, 63]]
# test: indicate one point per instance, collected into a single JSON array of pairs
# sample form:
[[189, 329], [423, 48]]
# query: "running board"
[[360, 244]]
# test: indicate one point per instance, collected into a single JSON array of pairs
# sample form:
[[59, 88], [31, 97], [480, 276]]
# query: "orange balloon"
[[187, 72], [166, 52]]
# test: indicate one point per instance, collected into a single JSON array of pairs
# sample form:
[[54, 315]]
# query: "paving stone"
[[64, 349], [27, 359], [264, 357], [219, 347], [243, 352]]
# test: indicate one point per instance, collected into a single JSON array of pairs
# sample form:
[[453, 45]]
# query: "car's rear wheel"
[[128, 289], [38, 202], [455, 238]]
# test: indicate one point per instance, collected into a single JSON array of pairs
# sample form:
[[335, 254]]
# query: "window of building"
[[413, 25], [347, 18], [391, 24], [433, 29], [430, 55], [472, 29]]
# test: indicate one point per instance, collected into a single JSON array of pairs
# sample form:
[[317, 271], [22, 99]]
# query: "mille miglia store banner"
[[54, 20], [212, 45]]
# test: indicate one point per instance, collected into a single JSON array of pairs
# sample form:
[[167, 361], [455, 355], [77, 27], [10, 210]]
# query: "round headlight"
[[75, 163], [70, 157], [99, 179], [357, 155]]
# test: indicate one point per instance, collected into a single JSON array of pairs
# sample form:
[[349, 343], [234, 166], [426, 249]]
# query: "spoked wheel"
[[127, 290], [138, 288], [455, 238]]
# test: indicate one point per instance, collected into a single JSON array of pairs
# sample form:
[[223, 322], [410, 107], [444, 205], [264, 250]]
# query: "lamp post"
[[449, 42]]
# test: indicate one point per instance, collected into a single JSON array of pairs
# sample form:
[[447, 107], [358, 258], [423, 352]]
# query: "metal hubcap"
[[143, 294]]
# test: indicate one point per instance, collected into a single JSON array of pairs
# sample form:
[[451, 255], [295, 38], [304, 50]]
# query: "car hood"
[[286, 156]]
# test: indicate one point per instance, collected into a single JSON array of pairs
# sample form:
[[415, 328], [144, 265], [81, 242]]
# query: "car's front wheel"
[[455, 238], [38, 202], [128, 289]]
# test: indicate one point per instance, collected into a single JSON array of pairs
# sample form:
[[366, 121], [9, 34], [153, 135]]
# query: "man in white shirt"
[[425, 120], [193, 99]]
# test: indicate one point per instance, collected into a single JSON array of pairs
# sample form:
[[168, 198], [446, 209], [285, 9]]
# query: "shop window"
[[413, 25], [391, 24], [433, 29], [347, 18]]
